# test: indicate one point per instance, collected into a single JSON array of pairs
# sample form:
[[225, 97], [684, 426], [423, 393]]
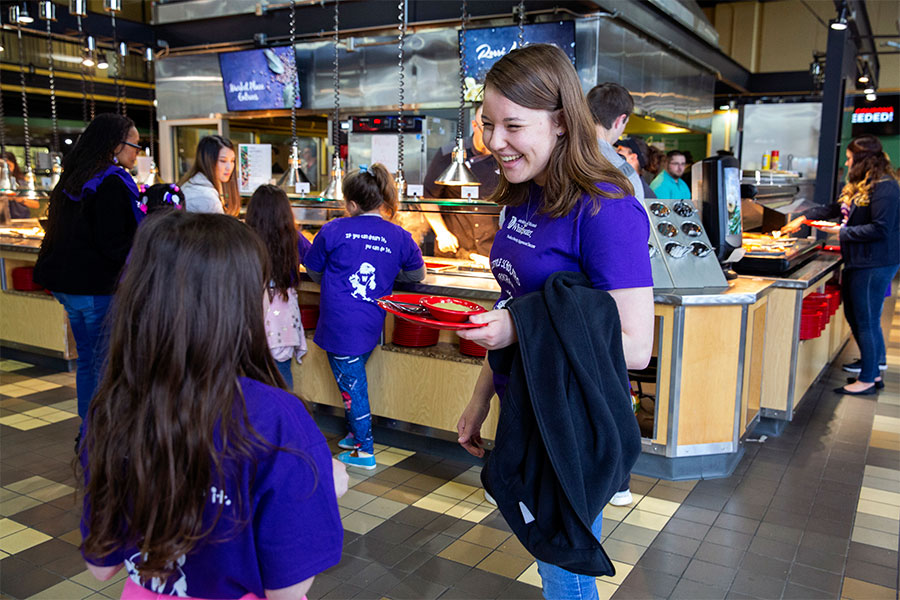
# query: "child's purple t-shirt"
[[293, 529], [609, 247], [359, 258]]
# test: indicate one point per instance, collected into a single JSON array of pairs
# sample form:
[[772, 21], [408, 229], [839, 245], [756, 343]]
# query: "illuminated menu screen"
[[876, 117], [486, 46], [262, 79]]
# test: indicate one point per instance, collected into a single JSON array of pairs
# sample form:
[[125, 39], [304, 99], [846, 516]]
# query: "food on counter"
[[451, 306], [821, 223]]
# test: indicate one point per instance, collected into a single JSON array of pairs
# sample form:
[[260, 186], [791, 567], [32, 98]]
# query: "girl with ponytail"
[[357, 259]]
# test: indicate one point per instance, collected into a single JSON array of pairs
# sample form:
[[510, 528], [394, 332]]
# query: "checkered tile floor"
[[813, 513]]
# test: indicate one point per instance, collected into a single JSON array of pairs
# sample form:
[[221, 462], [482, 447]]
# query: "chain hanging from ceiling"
[[520, 15], [401, 39], [334, 190], [48, 13]]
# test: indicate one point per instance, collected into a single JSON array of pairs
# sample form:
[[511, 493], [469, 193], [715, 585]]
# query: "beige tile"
[[878, 508], [667, 492], [456, 490], [513, 546], [29, 424], [616, 513], [15, 391], [854, 589], [464, 552], [623, 551], [882, 496], [382, 507], [682, 485], [13, 365], [22, 540], [646, 519], [860, 534], [354, 479], [373, 486], [486, 536], [70, 406], [59, 415], [11, 420], [657, 506], [3, 555], [114, 591], [73, 537], [344, 511], [6, 494], [505, 565], [877, 523], [89, 581], [38, 385], [478, 514], [634, 534], [52, 492], [388, 458], [60, 378], [361, 523], [354, 499], [8, 526], [402, 452], [64, 589], [531, 576], [40, 412], [889, 485], [622, 571], [884, 423], [404, 494], [436, 503], [883, 473], [605, 589], [17, 505], [380, 447], [461, 509]]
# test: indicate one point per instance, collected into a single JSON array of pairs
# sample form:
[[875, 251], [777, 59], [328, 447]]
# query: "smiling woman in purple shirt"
[[565, 208]]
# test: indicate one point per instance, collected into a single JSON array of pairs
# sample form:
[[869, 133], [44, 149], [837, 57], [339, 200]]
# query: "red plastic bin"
[[23, 280]]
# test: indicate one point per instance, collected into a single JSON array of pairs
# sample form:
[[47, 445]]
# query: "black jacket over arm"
[[567, 436]]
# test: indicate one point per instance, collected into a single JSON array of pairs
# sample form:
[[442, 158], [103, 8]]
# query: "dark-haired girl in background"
[[202, 478], [18, 207], [92, 218], [869, 232], [210, 185], [269, 215], [357, 259]]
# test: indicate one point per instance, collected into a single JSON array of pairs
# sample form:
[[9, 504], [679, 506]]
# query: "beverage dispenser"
[[716, 189]]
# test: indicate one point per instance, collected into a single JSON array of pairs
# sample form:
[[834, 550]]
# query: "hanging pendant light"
[[152, 177], [6, 186], [47, 12], [294, 174], [335, 188], [401, 38], [457, 173], [18, 15], [29, 190]]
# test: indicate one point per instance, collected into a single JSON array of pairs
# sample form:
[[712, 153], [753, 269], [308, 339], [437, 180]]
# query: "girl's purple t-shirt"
[[359, 258], [291, 529]]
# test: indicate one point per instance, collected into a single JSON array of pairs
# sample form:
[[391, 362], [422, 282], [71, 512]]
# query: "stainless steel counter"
[[811, 273], [743, 290]]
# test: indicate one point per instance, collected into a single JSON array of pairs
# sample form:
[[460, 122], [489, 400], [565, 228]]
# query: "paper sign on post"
[[469, 191], [415, 191], [301, 187], [254, 166], [384, 150]]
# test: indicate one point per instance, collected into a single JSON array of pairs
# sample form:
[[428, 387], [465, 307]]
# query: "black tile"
[[792, 591], [843, 514], [447, 469], [48, 551], [387, 582], [822, 542], [368, 575], [745, 508], [521, 591], [342, 592], [785, 518], [872, 554], [816, 578], [835, 499], [765, 565], [443, 571], [416, 588], [459, 528], [795, 505], [643, 583], [417, 517], [420, 538], [441, 523], [684, 528], [835, 528], [693, 590], [779, 533], [411, 562], [727, 537], [710, 573], [418, 462], [756, 585], [820, 560], [696, 514], [720, 555], [737, 523], [392, 532], [666, 542], [436, 544], [708, 501], [773, 548], [872, 573], [666, 562], [496, 521], [488, 585], [24, 585]]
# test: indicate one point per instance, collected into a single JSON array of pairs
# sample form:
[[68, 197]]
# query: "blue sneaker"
[[355, 458], [348, 443]]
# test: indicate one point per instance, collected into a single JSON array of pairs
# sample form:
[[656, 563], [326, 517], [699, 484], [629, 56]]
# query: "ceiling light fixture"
[[869, 90], [863, 79], [840, 24], [871, 97]]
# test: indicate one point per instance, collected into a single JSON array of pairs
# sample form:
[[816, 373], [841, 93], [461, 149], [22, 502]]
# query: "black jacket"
[[567, 436], [89, 242], [871, 237]]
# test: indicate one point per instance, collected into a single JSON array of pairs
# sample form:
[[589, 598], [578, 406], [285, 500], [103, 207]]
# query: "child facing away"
[[202, 478], [269, 215], [357, 259]]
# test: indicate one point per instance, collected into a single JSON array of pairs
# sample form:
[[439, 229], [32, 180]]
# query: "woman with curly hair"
[[869, 231]]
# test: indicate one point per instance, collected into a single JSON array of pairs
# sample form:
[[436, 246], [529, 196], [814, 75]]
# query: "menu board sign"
[[486, 46], [254, 166], [260, 79], [876, 117]]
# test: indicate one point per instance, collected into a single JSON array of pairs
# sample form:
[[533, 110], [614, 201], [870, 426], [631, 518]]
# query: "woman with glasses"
[[209, 185], [92, 219]]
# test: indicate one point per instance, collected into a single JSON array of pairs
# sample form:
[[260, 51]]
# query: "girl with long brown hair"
[[869, 233], [210, 184], [203, 479], [565, 208]]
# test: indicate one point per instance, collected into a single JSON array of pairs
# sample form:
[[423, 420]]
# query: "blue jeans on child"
[[284, 367], [560, 584], [350, 375], [86, 317], [862, 291]]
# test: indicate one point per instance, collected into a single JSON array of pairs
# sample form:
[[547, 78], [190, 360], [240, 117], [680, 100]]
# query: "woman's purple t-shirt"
[[359, 258], [292, 529], [609, 247]]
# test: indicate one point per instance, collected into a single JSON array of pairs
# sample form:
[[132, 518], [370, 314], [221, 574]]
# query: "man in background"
[[669, 183], [611, 106], [634, 151]]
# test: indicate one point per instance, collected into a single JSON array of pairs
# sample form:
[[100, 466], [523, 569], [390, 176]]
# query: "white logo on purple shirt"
[[362, 281]]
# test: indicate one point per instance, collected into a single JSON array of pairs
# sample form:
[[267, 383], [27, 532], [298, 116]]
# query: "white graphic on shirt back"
[[363, 281], [175, 585]]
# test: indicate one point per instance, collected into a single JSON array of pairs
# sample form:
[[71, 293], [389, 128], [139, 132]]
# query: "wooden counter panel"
[[663, 348], [37, 321], [754, 362], [777, 348], [709, 380], [405, 387]]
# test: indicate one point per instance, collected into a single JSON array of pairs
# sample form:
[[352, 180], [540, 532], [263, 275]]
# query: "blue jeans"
[[560, 584], [862, 291], [284, 367], [350, 375], [87, 315]]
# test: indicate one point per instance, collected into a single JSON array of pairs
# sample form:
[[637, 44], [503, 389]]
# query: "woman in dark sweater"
[[92, 219], [869, 231]]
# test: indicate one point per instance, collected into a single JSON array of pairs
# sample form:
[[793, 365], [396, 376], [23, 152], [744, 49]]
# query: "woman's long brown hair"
[[205, 163], [541, 77], [269, 215], [169, 418], [870, 165]]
